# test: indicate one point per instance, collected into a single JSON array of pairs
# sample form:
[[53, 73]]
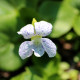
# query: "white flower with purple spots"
[[38, 45]]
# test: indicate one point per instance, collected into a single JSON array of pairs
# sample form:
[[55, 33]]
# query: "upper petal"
[[38, 49], [25, 49], [43, 28], [27, 31], [49, 47]]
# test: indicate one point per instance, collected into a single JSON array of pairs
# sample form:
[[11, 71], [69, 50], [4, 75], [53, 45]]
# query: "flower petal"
[[49, 47], [27, 31], [25, 49], [38, 49], [43, 28]]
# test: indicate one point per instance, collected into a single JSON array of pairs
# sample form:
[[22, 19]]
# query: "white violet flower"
[[35, 31]]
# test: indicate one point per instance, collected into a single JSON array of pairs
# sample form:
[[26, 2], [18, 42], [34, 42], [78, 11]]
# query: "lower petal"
[[25, 49], [38, 49], [49, 47]]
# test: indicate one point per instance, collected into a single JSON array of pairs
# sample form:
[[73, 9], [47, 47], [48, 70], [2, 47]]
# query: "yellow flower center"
[[36, 39]]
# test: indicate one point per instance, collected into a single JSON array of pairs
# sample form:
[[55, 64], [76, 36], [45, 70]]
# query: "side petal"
[[27, 31], [49, 47], [25, 49], [38, 49], [43, 28]]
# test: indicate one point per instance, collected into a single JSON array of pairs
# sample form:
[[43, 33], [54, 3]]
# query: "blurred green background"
[[65, 18]]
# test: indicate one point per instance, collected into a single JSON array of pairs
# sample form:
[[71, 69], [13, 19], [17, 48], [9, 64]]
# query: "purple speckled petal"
[[43, 28], [49, 47], [25, 49], [27, 31]]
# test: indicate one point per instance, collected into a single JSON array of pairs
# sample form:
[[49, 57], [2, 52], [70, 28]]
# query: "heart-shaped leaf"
[[9, 58], [76, 25], [8, 16], [64, 20]]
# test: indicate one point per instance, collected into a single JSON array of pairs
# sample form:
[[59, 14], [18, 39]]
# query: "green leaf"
[[55, 77], [32, 3], [3, 39], [28, 13], [64, 20], [47, 66], [65, 76], [19, 4], [49, 9], [9, 58], [74, 3], [8, 16], [64, 66], [28, 75], [76, 25], [50, 68], [73, 74]]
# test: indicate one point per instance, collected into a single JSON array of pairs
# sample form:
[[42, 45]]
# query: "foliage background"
[[65, 18]]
